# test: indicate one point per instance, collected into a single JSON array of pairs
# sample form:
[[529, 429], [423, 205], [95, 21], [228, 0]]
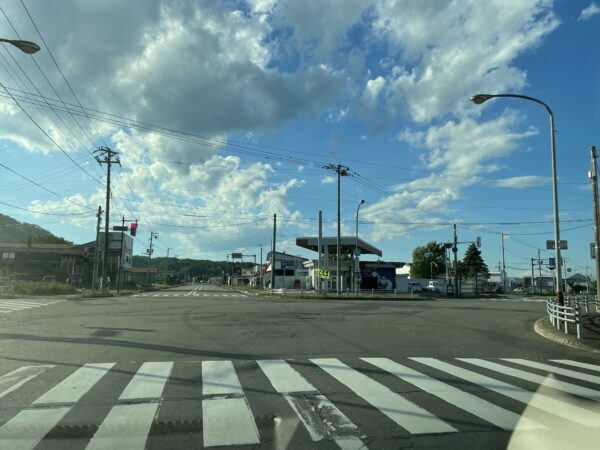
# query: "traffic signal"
[[133, 229]]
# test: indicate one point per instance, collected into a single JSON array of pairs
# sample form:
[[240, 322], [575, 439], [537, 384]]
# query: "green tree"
[[423, 257], [473, 265]]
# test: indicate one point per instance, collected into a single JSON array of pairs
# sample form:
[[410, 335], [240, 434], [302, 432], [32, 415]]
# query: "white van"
[[434, 286]]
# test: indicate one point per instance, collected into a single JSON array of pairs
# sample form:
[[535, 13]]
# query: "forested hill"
[[12, 231], [195, 267]]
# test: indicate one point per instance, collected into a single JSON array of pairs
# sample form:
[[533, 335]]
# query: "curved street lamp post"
[[356, 272], [478, 100], [25, 46]]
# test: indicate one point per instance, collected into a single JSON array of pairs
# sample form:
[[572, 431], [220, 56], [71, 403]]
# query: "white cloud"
[[589, 12], [521, 182], [451, 50], [328, 179]]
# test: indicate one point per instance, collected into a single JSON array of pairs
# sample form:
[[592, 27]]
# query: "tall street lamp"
[[356, 251], [478, 100], [25, 46]]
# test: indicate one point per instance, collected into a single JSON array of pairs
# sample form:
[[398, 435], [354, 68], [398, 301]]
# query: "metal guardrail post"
[[372, 293]]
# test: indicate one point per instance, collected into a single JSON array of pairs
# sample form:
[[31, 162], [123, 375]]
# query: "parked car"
[[519, 289], [434, 286], [415, 287]]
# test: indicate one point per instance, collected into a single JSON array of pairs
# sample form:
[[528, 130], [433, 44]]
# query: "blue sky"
[[270, 91]]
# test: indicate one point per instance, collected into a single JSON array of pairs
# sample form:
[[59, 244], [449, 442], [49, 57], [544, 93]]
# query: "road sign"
[[323, 274], [357, 251], [550, 245], [120, 228], [551, 263], [454, 249], [236, 256], [569, 269], [592, 250]]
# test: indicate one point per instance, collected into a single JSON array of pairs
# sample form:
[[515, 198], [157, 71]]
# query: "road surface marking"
[[577, 364], [27, 429], [126, 427], [548, 404], [535, 378], [17, 378], [319, 416], [19, 303], [556, 370], [148, 382], [402, 411], [226, 415], [507, 420], [72, 388]]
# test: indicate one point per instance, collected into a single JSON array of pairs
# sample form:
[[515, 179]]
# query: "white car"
[[434, 286]]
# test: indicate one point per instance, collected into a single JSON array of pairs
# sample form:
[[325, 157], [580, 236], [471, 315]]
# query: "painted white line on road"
[[577, 364], [27, 429], [507, 420], [226, 420], [283, 377], [17, 378], [320, 417], [125, 426], [534, 378], [148, 382], [219, 378], [402, 411], [72, 388], [19, 303], [550, 405], [556, 370]]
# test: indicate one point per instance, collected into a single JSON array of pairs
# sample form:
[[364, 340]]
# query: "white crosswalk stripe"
[[192, 294], [16, 304], [229, 417]]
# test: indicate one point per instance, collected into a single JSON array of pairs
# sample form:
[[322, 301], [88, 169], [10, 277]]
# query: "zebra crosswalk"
[[20, 304], [191, 294], [225, 402]]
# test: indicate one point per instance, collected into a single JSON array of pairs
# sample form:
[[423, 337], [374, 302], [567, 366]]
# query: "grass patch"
[[45, 289], [97, 294]]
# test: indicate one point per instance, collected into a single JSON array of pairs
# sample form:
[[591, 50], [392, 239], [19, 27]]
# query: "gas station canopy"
[[347, 245]]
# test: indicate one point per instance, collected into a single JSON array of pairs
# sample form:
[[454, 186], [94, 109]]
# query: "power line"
[[42, 187], [42, 212]]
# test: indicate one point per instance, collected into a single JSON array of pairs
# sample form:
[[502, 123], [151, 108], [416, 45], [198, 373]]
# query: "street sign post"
[[120, 228], [550, 245]]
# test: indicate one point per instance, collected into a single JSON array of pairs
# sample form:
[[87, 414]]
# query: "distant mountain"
[[194, 267], [12, 231]]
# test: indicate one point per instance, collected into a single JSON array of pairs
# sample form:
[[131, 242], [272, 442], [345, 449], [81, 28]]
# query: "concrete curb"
[[544, 328]]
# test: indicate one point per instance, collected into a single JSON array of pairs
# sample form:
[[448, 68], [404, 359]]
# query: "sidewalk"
[[590, 340]]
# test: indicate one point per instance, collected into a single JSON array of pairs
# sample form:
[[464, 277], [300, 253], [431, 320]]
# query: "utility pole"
[[455, 251], [342, 171], [261, 282], [273, 251], [532, 277], [97, 249], [593, 174], [104, 155], [168, 268], [503, 266], [319, 251], [540, 271], [153, 235]]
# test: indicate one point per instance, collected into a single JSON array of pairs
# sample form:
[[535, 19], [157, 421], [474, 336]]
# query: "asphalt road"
[[206, 366]]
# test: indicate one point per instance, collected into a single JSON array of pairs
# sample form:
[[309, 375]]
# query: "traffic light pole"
[[120, 280]]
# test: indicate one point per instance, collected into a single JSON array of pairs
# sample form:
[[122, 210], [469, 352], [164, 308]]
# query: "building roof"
[[347, 244]]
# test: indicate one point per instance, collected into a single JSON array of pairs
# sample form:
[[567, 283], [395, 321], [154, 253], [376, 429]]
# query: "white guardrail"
[[562, 316]]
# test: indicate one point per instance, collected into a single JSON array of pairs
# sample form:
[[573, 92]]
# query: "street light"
[[25, 46], [356, 248], [478, 100], [431, 269]]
